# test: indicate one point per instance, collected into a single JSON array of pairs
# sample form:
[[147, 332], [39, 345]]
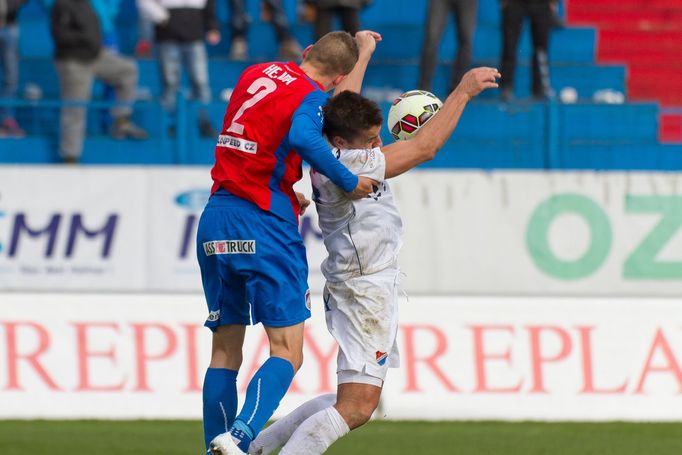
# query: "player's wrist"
[[461, 93]]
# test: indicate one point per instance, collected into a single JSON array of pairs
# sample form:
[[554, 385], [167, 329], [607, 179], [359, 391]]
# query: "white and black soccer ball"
[[411, 111]]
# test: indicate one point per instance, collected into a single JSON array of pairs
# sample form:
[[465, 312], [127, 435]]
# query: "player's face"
[[367, 139]]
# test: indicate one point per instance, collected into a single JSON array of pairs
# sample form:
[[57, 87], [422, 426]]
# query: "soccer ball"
[[411, 111]]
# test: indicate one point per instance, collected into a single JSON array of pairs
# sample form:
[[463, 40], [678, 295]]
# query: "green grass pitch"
[[376, 438]]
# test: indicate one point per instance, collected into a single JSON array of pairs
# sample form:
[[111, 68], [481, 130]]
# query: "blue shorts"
[[253, 265]]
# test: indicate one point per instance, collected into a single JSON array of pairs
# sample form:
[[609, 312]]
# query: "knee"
[[224, 358], [356, 413], [128, 71]]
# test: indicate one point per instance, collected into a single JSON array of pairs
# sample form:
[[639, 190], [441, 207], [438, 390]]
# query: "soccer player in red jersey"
[[251, 255]]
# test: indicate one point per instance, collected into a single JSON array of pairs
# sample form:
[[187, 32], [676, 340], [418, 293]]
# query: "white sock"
[[277, 434], [317, 433]]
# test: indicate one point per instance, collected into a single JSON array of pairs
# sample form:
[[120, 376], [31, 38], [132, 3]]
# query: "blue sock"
[[265, 391], [220, 402]]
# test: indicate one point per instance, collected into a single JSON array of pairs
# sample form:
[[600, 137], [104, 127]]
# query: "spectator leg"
[[75, 82], [239, 20], [169, 66], [9, 58], [195, 60], [323, 22], [465, 17], [279, 20], [512, 23], [120, 73], [350, 19], [541, 26], [436, 19]]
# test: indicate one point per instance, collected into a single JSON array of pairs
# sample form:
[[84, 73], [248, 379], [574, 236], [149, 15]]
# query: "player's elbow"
[[427, 150]]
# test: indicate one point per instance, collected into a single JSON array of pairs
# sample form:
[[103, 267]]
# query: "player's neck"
[[314, 74]]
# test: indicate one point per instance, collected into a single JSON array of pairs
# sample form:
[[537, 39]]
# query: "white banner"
[[176, 199], [542, 233], [73, 229], [144, 356], [521, 233]]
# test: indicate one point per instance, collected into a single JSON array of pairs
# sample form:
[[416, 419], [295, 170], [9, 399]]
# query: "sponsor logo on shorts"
[[381, 358], [230, 247], [238, 144], [307, 299], [213, 316]]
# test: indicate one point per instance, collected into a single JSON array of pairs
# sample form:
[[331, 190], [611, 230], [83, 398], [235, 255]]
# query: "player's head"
[[333, 57], [352, 121]]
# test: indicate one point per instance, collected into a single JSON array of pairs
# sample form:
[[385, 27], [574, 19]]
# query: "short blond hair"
[[335, 54]]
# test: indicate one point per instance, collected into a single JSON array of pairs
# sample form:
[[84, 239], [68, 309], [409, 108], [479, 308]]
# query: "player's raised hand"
[[479, 79], [367, 41], [303, 202], [365, 187]]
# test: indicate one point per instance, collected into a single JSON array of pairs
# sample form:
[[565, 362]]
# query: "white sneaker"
[[224, 445]]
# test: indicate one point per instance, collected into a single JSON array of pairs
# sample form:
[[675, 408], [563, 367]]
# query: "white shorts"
[[362, 316]]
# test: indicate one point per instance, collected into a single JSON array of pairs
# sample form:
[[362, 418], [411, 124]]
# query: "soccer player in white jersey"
[[362, 238]]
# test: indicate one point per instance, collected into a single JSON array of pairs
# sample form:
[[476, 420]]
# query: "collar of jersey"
[[312, 81]]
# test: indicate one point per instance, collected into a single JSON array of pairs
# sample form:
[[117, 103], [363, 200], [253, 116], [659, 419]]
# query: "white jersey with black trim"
[[362, 236]]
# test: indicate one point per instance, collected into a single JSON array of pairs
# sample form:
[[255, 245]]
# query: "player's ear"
[[339, 142], [306, 51], [338, 79]]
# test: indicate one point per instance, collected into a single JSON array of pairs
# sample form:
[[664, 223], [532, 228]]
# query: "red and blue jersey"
[[273, 121]]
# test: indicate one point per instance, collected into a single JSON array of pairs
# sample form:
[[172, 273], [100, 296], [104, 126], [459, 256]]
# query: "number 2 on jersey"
[[267, 85]]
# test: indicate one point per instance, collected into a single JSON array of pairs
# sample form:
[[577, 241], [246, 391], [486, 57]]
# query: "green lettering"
[[642, 264], [537, 233]]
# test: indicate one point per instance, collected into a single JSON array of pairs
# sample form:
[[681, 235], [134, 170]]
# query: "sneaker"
[[124, 128], [239, 49], [206, 129], [224, 445], [290, 50], [11, 128]]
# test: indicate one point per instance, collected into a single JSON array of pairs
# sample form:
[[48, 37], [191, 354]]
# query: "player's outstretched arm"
[[367, 42], [402, 156]]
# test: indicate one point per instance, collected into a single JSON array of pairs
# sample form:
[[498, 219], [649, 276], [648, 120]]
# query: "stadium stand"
[[645, 35], [526, 134]]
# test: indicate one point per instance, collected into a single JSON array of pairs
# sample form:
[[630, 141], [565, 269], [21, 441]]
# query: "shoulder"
[[360, 156], [311, 105], [314, 100], [360, 161]]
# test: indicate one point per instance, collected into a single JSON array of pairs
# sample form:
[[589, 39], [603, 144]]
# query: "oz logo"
[[642, 262]]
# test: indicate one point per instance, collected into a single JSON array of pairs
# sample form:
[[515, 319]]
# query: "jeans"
[[513, 15], [192, 56], [9, 59], [75, 79], [464, 12], [350, 20], [239, 21]]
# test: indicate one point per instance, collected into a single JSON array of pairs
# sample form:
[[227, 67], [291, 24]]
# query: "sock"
[[220, 402], [277, 434], [265, 391], [317, 433]]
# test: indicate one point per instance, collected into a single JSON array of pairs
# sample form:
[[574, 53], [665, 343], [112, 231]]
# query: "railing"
[[491, 135]]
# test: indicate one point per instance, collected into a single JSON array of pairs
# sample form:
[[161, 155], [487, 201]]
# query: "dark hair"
[[335, 54], [348, 114]]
